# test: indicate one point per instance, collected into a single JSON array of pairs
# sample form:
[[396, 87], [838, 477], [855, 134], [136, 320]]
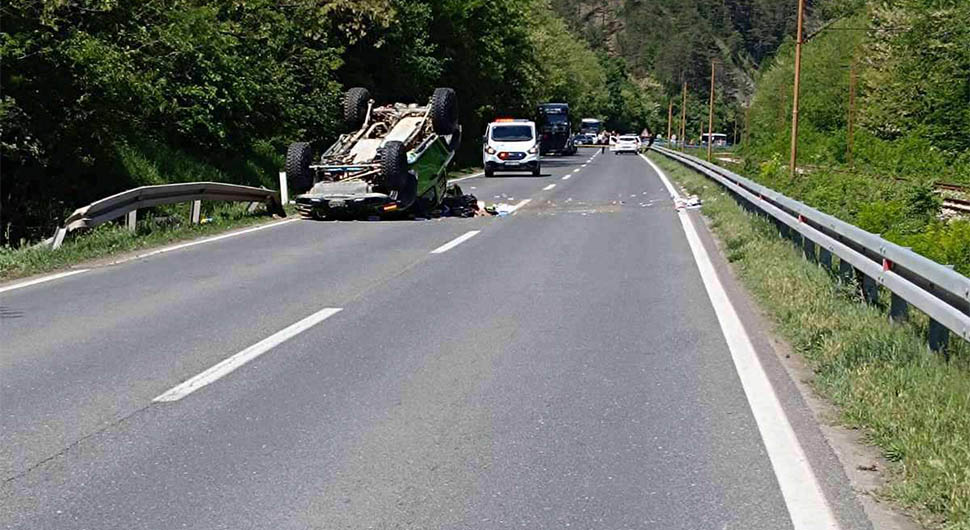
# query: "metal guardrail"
[[935, 289], [129, 202]]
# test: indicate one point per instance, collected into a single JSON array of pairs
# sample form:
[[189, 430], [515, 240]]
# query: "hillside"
[[671, 42]]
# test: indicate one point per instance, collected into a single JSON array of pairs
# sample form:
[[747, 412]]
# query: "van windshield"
[[512, 133]]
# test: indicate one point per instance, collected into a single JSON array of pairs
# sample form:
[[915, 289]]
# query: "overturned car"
[[394, 160]]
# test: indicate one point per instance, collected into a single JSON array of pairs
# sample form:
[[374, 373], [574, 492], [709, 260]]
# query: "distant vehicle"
[[511, 145], [628, 143], [584, 139], [590, 126], [720, 139], [552, 120], [395, 156]]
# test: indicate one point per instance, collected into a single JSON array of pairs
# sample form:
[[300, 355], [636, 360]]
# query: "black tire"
[[455, 142], [537, 171], [394, 166], [489, 173], [407, 195], [444, 111], [355, 107], [298, 157]]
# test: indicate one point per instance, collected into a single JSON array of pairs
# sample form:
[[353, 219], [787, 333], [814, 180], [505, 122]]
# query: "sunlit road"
[[562, 367]]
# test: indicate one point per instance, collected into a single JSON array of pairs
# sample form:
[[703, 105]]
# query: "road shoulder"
[[849, 471]]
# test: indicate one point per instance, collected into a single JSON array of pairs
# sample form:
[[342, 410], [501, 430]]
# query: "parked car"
[[511, 145], [395, 158], [627, 143]]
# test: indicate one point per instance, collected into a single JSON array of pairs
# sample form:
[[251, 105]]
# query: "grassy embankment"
[[168, 225], [908, 401]]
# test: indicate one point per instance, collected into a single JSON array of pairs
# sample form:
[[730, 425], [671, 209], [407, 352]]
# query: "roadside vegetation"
[[909, 401], [911, 117], [101, 96], [155, 227]]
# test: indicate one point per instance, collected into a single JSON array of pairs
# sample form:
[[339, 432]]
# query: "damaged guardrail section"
[[935, 289], [129, 202]]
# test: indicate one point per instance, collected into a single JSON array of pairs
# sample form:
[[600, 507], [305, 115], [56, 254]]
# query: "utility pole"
[[683, 118], [798, 73], [670, 118], [747, 118], [852, 85], [710, 117]]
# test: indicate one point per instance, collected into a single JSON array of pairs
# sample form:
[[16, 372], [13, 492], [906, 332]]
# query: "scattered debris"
[[502, 209], [690, 202]]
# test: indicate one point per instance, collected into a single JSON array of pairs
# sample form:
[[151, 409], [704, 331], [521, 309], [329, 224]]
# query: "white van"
[[511, 145]]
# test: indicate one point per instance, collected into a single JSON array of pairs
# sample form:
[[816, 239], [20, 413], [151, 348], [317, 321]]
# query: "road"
[[561, 367]]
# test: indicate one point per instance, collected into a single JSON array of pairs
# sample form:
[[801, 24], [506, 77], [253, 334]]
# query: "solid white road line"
[[480, 173], [567, 177], [455, 242], [549, 187], [227, 366], [180, 246], [520, 204], [147, 254], [663, 178], [803, 495], [42, 279]]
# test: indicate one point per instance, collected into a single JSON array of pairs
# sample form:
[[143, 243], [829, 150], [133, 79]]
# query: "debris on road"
[[457, 204], [503, 208], [690, 202]]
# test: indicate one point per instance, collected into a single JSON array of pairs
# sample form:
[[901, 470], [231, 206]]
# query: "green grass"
[[155, 227], [909, 401]]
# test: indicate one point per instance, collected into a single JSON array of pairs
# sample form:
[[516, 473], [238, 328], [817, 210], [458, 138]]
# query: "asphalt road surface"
[[561, 367]]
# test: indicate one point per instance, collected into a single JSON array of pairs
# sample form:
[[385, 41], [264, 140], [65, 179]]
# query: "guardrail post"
[[825, 258], [284, 189], [58, 238], [846, 271], [131, 219], [196, 215], [808, 247], [898, 308], [783, 229], [870, 289], [939, 337]]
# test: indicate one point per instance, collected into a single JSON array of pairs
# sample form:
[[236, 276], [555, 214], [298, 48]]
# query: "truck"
[[590, 126], [555, 130]]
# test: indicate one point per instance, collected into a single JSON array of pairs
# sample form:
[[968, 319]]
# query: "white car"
[[627, 143], [511, 145]]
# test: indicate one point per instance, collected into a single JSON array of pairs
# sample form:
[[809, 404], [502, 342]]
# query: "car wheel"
[[394, 166], [455, 142], [444, 111], [355, 107], [298, 157], [407, 195], [489, 173], [537, 171]]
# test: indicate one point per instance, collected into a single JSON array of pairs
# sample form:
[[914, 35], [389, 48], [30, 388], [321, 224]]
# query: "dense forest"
[[103, 95], [668, 44]]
